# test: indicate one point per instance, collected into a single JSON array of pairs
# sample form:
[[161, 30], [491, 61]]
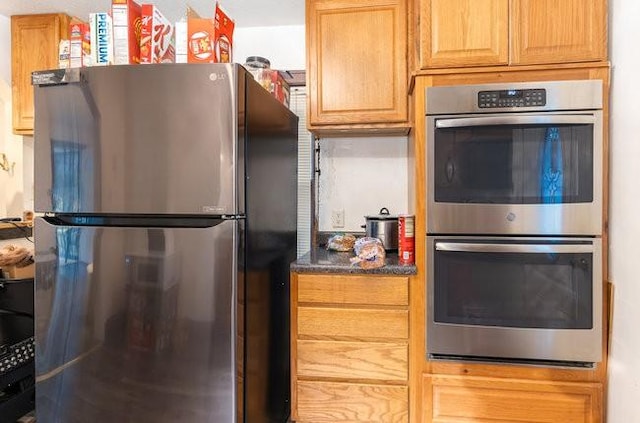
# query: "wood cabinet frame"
[[418, 363]]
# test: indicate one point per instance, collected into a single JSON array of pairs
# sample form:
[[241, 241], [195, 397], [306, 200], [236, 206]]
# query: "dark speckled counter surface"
[[14, 230], [319, 260]]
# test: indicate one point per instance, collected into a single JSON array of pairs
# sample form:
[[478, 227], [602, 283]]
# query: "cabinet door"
[[357, 61], [551, 31], [457, 33], [353, 323], [483, 399], [34, 46], [332, 402], [353, 289], [370, 361]]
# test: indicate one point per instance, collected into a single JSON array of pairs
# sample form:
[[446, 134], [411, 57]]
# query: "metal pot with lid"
[[383, 226]]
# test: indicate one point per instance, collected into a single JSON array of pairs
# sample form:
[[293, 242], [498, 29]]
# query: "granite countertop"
[[15, 230], [319, 260]]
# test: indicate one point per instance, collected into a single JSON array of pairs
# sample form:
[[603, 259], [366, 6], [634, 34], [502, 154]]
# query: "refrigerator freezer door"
[[158, 139], [136, 324]]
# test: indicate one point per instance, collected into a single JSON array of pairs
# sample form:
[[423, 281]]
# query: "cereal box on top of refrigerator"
[[204, 40], [223, 36], [80, 43], [181, 41], [157, 37], [63, 54], [126, 31], [101, 39], [200, 40]]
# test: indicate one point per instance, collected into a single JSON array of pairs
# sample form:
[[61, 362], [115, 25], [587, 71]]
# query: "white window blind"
[[298, 105]]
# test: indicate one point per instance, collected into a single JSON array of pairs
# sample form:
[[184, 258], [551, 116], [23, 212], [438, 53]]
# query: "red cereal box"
[[156, 36], [126, 16], [208, 40], [223, 35], [200, 41], [80, 43]]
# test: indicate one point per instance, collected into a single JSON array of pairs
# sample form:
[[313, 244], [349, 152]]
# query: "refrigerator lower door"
[[136, 324]]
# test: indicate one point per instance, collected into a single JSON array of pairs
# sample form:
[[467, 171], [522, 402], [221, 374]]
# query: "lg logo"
[[217, 76]]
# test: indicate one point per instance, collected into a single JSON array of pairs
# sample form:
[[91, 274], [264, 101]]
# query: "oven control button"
[[511, 217]]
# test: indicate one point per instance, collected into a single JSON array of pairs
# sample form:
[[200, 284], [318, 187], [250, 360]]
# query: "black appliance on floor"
[[17, 368]]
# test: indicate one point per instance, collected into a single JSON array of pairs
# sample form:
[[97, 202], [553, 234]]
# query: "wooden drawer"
[[479, 399], [351, 289], [349, 402], [353, 323], [353, 360]]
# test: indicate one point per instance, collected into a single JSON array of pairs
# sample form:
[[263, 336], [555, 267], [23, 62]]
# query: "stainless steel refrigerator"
[[168, 195]]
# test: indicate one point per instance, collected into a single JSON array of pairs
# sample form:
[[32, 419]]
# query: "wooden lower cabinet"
[[449, 399], [349, 348], [352, 360], [349, 402]]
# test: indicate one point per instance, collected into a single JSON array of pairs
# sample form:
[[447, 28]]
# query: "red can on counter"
[[406, 239]]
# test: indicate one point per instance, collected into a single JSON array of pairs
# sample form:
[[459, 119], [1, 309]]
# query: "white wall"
[[282, 45], [624, 365], [12, 198], [5, 48], [360, 176]]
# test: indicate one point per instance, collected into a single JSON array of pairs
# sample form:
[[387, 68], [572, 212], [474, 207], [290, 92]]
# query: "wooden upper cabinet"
[[357, 63], [461, 33], [455, 33], [552, 31], [34, 46]]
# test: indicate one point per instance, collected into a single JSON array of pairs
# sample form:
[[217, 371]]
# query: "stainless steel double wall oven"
[[514, 222]]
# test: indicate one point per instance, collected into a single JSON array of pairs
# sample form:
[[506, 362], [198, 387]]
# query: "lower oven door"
[[514, 299]]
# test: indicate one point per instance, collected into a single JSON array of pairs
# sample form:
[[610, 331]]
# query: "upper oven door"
[[515, 173]]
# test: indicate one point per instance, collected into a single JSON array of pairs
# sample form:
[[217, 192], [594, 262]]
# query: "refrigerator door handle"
[[138, 221]]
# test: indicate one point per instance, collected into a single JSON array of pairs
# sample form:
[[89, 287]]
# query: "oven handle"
[[464, 247], [547, 119]]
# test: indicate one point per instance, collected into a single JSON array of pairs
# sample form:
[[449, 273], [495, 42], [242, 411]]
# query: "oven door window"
[[514, 163], [523, 290]]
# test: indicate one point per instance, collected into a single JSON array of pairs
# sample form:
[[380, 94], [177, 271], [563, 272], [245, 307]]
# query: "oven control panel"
[[512, 98]]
